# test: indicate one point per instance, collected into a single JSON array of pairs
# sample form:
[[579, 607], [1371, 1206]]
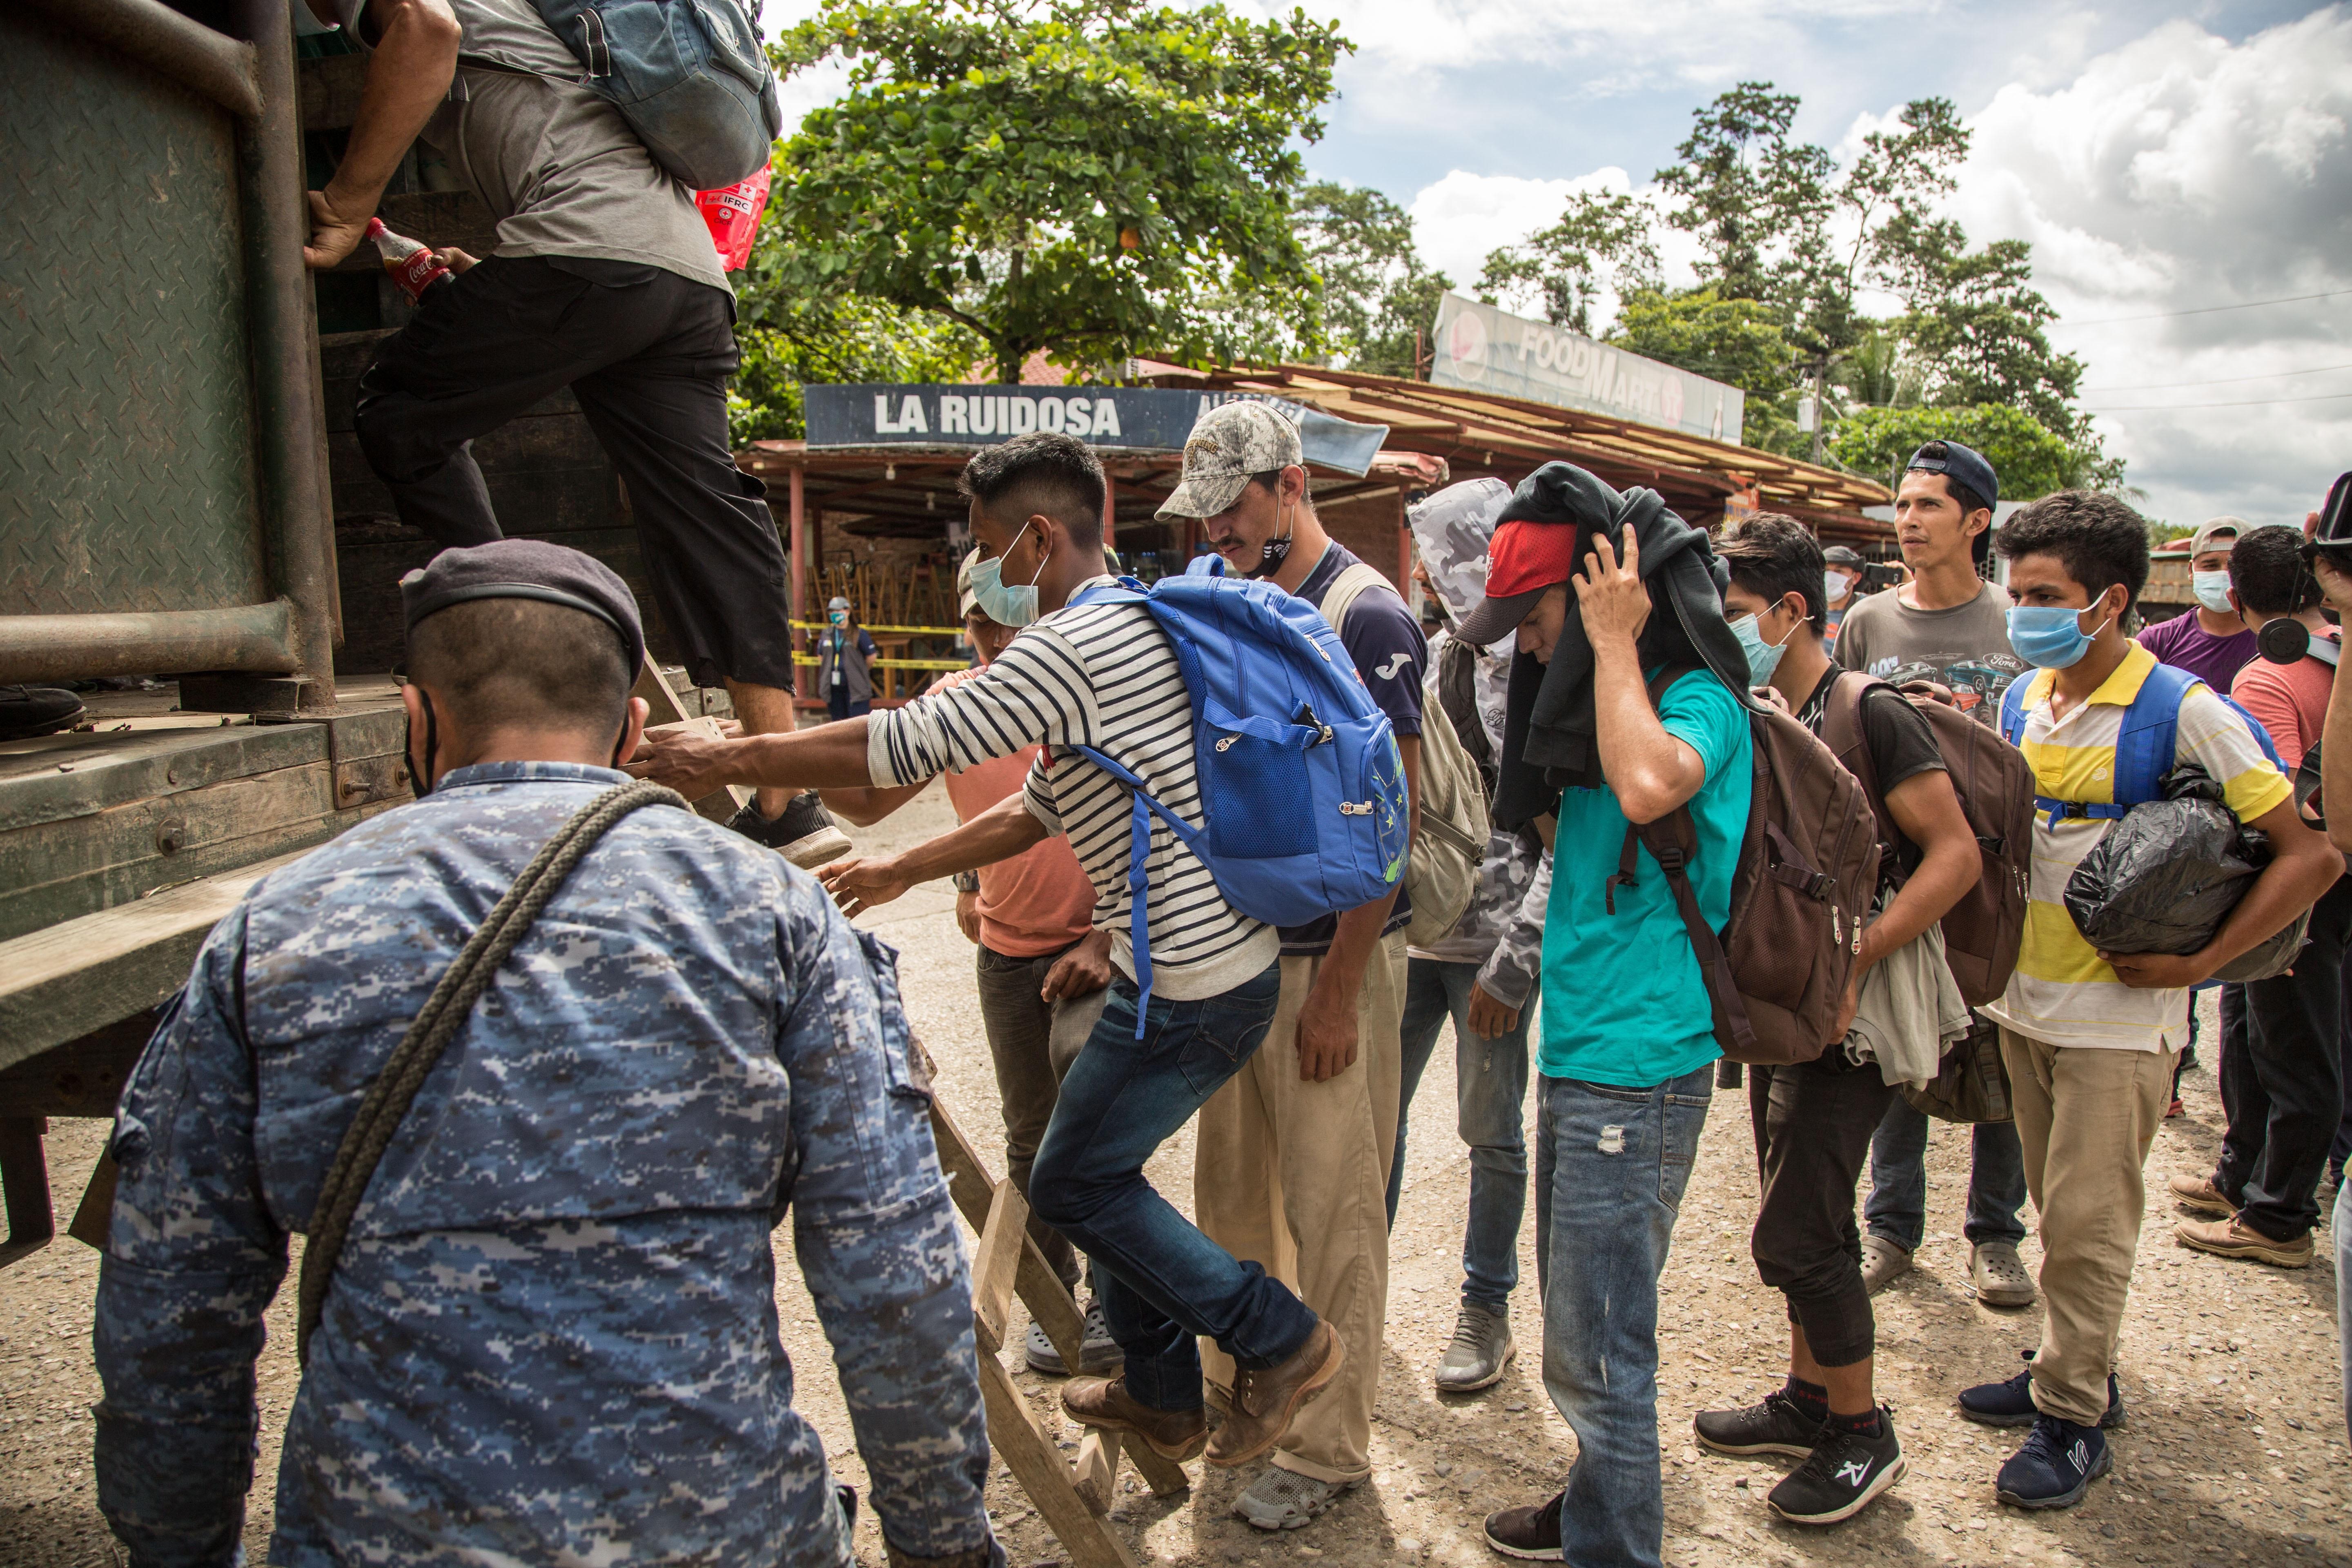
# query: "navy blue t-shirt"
[[1389, 652]]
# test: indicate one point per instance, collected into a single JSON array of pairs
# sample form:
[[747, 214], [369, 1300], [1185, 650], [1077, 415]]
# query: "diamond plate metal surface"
[[127, 472]]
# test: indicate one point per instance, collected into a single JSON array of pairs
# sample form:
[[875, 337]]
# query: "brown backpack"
[[1808, 870], [1995, 785]]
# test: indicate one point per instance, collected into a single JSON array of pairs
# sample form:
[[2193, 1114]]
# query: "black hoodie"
[[1550, 743]]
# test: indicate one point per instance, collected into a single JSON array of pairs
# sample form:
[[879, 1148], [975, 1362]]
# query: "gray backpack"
[[689, 76]]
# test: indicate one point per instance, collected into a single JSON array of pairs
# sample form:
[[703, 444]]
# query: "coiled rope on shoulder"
[[435, 1025]]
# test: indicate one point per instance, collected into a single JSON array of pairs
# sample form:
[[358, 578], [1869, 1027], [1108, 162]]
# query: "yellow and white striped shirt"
[[2063, 992]]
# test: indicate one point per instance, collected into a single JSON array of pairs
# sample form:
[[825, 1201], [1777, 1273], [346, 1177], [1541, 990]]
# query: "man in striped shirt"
[[2089, 1038], [1105, 676]]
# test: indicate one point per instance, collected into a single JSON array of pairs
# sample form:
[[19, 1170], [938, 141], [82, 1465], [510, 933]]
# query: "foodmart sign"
[[1481, 349]]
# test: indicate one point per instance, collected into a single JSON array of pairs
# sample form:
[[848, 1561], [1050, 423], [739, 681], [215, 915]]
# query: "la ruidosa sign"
[[1116, 418]]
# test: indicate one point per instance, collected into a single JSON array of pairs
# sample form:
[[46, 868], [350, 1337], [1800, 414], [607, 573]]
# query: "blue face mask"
[[1008, 605], [2049, 636], [1763, 658], [2212, 590]]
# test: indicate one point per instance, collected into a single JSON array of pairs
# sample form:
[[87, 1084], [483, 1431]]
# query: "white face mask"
[[1836, 583], [2212, 590]]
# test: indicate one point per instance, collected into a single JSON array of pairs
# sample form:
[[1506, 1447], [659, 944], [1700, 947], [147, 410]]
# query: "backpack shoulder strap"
[[1348, 588], [2152, 725], [445, 1012], [2012, 710], [1841, 732]]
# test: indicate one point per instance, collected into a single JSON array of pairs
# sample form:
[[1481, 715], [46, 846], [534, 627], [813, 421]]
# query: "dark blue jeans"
[[1490, 1093], [1162, 1283], [1897, 1209], [1610, 1167]]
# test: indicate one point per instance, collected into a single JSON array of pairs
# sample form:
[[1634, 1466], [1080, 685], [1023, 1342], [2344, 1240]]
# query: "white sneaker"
[[1481, 1352]]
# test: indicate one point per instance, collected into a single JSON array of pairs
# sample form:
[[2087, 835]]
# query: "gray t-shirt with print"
[[1965, 647], [557, 165]]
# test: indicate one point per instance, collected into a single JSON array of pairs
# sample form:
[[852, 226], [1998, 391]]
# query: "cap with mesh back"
[[2203, 539], [1229, 444]]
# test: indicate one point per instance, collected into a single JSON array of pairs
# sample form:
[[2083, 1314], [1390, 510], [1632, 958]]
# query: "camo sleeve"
[[876, 1233], [1510, 972], [192, 1259]]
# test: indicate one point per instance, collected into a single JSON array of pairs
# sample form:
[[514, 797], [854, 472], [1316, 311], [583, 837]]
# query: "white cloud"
[[1457, 220], [2175, 173]]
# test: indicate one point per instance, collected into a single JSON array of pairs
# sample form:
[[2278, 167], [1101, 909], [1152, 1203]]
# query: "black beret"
[[527, 569]]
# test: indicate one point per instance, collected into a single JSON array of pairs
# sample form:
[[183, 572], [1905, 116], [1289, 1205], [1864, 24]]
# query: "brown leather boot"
[[1265, 1403], [1177, 1434]]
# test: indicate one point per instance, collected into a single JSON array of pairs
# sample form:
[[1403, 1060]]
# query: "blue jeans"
[[1159, 1280], [1897, 1209], [1611, 1166], [1490, 1091]]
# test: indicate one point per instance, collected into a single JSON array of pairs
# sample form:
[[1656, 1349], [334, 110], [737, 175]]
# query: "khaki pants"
[[1294, 1176], [2085, 1117]]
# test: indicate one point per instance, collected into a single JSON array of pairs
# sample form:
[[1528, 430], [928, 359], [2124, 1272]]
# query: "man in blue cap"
[[551, 1335], [1944, 632]]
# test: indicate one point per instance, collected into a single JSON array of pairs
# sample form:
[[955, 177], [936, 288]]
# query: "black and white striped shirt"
[[1104, 676]]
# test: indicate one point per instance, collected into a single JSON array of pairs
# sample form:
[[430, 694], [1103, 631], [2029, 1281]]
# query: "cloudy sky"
[[2164, 157]]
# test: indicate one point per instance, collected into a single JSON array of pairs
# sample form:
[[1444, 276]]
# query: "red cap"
[[1529, 556], [1525, 559]]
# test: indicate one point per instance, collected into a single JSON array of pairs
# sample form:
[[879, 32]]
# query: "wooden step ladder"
[[1074, 1498]]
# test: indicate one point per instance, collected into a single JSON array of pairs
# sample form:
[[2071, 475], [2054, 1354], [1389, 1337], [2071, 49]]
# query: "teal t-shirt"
[[1623, 1001]]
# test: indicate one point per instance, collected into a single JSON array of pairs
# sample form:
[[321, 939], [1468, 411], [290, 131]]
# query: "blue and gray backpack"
[[1302, 786], [2144, 750], [689, 76]]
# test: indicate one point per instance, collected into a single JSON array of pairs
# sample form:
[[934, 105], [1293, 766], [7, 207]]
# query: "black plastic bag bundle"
[[2166, 876]]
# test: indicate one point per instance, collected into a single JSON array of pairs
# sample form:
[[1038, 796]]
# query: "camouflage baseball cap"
[[1452, 530], [967, 601], [1229, 444]]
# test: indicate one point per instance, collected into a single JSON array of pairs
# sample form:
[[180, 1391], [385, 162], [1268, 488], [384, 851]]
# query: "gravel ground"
[[2234, 1451]]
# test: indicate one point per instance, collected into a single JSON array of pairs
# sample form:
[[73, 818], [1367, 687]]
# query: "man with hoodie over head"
[[1606, 590]]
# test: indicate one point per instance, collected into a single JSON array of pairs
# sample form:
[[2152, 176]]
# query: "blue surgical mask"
[[2212, 590], [1008, 605], [2049, 636], [1763, 658]]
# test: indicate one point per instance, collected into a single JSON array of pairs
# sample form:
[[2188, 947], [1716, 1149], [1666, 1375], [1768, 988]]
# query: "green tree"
[[789, 340], [1081, 176], [1976, 324], [1756, 198], [1739, 342], [1600, 242], [2031, 458], [1374, 289]]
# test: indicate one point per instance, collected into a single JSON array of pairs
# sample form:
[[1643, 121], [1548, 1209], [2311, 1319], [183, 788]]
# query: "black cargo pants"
[[646, 352]]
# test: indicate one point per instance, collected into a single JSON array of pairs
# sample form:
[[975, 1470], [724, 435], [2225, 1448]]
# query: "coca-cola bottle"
[[413, 265]]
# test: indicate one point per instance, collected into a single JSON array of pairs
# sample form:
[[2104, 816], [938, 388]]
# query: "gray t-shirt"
[[557, 166], [1965, 647]]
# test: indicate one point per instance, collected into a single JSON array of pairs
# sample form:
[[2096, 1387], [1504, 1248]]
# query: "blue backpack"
[[1302, 785], [2143, 751], [689, 76]]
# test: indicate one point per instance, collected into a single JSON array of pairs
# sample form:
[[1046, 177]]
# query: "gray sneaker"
[[1998, 1276], [1883, 1263], [1481, 1350], [1284, 1500], [1098, 1353]]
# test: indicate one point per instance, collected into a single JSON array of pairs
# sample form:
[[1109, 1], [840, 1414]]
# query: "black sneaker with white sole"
[[805, 835], [29, 710], [1532, 1533], [2010, 1403], [1845, 1471], [1779, 1426]]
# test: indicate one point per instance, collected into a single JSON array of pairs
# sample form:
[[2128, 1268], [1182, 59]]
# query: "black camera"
[[2333, 537], [1880, 575]]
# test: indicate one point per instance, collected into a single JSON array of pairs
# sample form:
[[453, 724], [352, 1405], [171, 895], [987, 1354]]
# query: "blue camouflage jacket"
[[553, 1337]]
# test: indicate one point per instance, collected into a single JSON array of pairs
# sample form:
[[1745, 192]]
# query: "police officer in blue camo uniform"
[[552, 1333]]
